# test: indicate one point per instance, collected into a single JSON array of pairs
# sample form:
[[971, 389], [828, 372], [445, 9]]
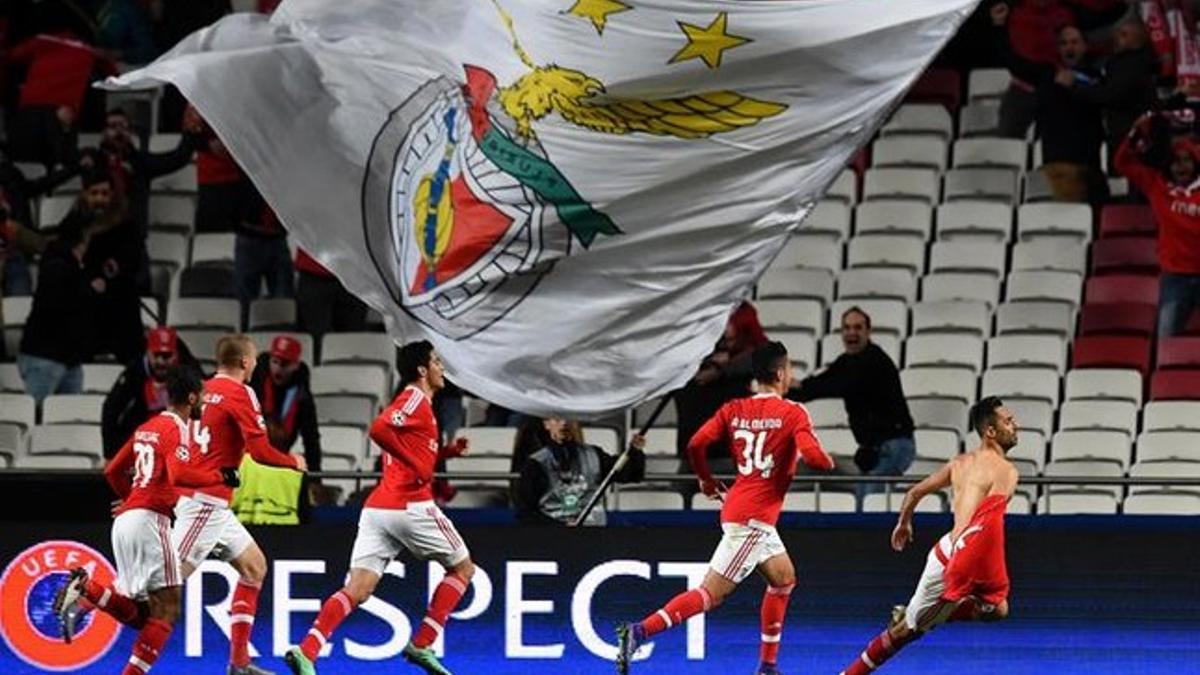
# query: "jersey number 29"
[[143, 464], [752, 453]]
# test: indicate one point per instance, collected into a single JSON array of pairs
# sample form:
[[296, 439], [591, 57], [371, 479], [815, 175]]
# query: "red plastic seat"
[[1118, 318], [1175, 384], [1127, 220], [1134, 288], [1105, 351], [1179, 352], [938, 85], [1125, 255]]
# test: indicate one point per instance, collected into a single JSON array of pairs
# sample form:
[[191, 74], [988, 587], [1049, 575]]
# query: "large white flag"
[[567, 197]]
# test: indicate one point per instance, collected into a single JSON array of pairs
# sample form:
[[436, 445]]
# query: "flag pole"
[[622, 459]]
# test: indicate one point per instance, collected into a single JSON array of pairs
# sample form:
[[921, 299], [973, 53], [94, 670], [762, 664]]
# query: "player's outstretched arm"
[[938, 480]]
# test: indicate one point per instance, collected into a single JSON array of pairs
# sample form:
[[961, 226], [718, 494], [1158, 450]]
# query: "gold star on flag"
[[707, 43], [597, 11]]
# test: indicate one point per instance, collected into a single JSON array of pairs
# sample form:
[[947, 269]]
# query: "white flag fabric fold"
[[568, 198]]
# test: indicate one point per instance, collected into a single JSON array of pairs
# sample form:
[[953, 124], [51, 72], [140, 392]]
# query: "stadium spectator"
[[281, 381], [260, 251], [124, 32], [15, 240], [1070, 128], [141, 390], [1032, 30], [1176, 203], [558, 480], [133, 168], [323, 304], [56, 339], [866, 379], [20, 241], [218, 178], [724, 375]]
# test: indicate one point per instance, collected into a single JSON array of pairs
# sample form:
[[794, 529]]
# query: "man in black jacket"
[[867, 380], [141, 391], [133, 168], [281, 381]]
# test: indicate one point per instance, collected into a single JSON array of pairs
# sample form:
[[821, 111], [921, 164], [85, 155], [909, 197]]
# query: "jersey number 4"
[[202, 436], [752, 453]]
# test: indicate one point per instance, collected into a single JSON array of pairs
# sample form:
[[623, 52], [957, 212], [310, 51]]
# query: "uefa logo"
[[27, 620]]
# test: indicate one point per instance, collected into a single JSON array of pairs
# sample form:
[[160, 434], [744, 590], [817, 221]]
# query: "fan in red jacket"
[[1174, 196]]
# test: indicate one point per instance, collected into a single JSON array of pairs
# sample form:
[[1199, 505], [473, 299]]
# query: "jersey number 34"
[[752, 453]]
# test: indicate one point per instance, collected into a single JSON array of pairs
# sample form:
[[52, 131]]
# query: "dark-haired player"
[[401, 513], [965, 577], [767, 436]]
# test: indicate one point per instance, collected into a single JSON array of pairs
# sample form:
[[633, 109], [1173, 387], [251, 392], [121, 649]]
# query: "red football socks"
[[149, 645], [114, 604], [774, 608], [679, 609], [445, 599], [336, 608], [882, 648], [241, 621]]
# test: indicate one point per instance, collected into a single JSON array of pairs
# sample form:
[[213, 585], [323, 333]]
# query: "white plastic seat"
[[1055, 219], [1157, 446], [183, 180], [1171, 416], [963, 256], [1086, 468], [345, 410], [203, 342], [937, 444], [876, 283], [991, 152], [16, 309], [1165, 502], [669, 417], [649, 500], [921, 467], [978, 118], [701, 502], [810, 250], [164, 142], [956, 383], [56, 461], [832, 347], [53, 208], [1035, 317], [890, 183], [845, 187], [826, 502], [212, 248], [605, 438], [1044, 286], [172, 210], [1036, 351], [887, 316], [831, 217], [1115, 415], [828, 413], [983, 83], [910, 151], [880, 502], [783, 313], [1030, 452], [980, 183], [489, 440], [918, 118], [348, 442], [894, 216], [662, 441], [99, 378], [1071, 502], [816, 284], [1118, 384], [17, 409], [167, 248], [939, 413], [1039, 384], [1112, 446], [1032, 414], [1051, 255], [839, 442], [482, 463], [269, 313], [373, 348], [1036, 188], [944, 350], [10, 379], [75, 439], [220, 313], [351, 380], [951, 316], [801, 348], [940, 286], [1165, 469], [974, 219], [72, 409]]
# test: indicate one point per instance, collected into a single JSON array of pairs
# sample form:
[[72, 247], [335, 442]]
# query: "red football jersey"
[[407, 432], [767, 437], [141, 473], [231, 424]]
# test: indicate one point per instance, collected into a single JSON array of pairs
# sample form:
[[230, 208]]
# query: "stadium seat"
[[1036, 188], [974, 219], [845, 187], [701, 502], [347, 442], [1160, 445], [55, 461], [1104, 384], [968, 256], [17, 409], [837, 441], [1175, 384], [991, 152], [172, 210], [828, 413], [72, 409], [832, 347], [629, 499], [951, 316], [1049, 255], [1027, 351], [183, 180], [207, 281], [489, 440], [801, 348], [273, 314], [953, 383], [894, 216], [1027, 317], [662, 441], [944, 350], [607, 438], [938, 85], [1178, 352], [1073, 502], [1122, 288], [940, 286], [336, 409], [15, 313], [351, 380], [1118, 318], [66, 439], [1163, 469], [1039, 384], [477, 462], [203, 343], [1127, 220], [893, 183], [1030, 448], [1111, 446], [876, 283], [804, 315], [669, 417], [937, 444], [1054, 219], [167, 248], [910, 151], [922, 119], [53, 208], [980, 183], [985, 83], [826, 501], [1032, 414], [164, 142], [810, 250], [978, 119], [10, 379], [1112, 352], [816, 284], [831, 217], [212, 248], [921, 467], [879, 502], [1163, 502], [1086, 468], [12, 443], [184, 313], [887, 316], [1126, 255], [1111, 415], [370, 348], [888, 252], [1044, 286], [1171, 416], [938, 413]]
